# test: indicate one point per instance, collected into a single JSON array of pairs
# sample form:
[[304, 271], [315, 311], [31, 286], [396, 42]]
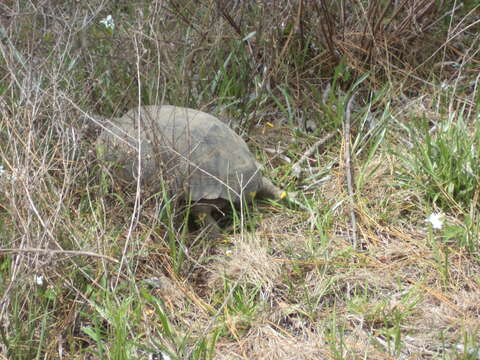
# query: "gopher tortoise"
[[200, 158]]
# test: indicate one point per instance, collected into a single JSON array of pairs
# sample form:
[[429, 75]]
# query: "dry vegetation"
[[353, 271]]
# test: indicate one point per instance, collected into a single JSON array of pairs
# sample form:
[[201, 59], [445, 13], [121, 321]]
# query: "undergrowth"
[[365, 111]]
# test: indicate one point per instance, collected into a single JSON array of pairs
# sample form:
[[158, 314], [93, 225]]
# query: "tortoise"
[[205, 161]]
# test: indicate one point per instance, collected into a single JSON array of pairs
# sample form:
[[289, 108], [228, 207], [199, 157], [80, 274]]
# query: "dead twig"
[[297, 169], [349, 172], [59, 252]]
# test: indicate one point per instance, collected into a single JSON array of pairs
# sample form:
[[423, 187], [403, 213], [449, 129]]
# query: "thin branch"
[[229, 19], [136, 207], [59, 252], [296, 168], [349, 172]]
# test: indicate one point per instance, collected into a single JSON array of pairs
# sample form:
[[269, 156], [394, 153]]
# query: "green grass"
[[445, 164], [89, 269]]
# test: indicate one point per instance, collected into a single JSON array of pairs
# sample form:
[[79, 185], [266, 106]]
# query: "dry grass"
[[89, 270]]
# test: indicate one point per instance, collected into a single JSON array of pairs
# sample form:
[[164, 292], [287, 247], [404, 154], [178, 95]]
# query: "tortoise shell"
[[198, 154]]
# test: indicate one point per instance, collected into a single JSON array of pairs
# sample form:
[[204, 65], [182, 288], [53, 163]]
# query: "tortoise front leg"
[[203, 215]]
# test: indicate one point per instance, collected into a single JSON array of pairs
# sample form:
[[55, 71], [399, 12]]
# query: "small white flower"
[[7, 175], [471, 351], [436, 219], [467, 167], [108, 22], [38, 280], [229, 252], [165, 356]]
